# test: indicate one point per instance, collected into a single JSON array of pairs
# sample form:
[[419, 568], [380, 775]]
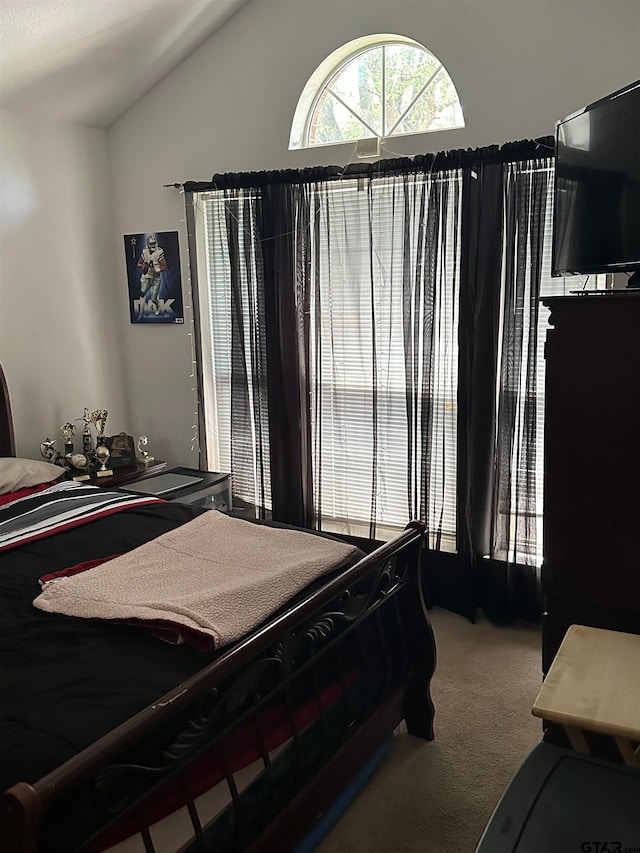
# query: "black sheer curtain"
[[430, 288], [394, 237], [504, 208], [287, 364], [511, 587], [500, 236], [249, 422], [457, 579]]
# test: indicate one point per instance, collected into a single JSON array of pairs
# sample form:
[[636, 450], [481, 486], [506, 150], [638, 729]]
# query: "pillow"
[[22, 473]]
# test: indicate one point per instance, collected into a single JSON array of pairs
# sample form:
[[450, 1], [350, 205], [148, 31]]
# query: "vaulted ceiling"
[[88, 61]]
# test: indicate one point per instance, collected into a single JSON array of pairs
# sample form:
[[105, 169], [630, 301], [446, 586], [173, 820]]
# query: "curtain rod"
[[509, 152]]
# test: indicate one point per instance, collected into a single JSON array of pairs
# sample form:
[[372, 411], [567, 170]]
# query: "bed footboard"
[[275, 727]]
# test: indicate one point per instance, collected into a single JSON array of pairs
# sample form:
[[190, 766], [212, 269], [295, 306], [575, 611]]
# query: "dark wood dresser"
[[591, 568]]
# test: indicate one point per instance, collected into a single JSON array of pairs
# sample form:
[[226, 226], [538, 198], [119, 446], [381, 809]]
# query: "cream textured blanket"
[[216, 575]]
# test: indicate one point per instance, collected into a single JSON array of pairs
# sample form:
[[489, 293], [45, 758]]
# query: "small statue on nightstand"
[[68, 430], [87, 443], [78, 461], [78, 466], [99, 420], [145, 458], [102, 456], [50, 452]]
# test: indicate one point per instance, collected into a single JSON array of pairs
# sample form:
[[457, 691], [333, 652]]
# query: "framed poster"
[[153, 277]]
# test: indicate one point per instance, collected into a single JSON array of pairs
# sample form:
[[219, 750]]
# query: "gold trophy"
[[145, 457], [99, 420], [102, 456]]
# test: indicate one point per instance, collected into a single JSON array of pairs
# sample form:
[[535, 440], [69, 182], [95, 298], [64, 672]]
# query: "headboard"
[[7, 440]]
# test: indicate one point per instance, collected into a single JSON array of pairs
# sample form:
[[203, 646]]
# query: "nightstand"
[[207, 489], [121, 477]]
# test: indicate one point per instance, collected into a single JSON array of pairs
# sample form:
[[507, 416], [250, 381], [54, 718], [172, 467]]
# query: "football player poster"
[[153, 276]]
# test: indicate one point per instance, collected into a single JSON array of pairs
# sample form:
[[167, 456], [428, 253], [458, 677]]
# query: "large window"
[[364, 463], [379, 86], [375, 265], [245, 450], [384, 349]]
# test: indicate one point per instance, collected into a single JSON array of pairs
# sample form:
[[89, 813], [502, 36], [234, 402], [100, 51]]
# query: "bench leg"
[[577, 739], [627, 752]]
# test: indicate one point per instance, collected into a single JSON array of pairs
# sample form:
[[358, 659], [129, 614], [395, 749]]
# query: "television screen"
[[597, 187]]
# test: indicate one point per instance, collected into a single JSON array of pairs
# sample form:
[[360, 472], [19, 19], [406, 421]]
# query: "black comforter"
[[64, 682]]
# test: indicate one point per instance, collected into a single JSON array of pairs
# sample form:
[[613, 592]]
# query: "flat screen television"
[[596, 225]]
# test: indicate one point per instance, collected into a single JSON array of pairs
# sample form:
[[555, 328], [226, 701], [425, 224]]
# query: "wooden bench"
[[593, 685]]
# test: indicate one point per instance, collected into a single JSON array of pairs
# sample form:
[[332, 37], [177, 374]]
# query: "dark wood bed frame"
[[7, 442], [381, 597]]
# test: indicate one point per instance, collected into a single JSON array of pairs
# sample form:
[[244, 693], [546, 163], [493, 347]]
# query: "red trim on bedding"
[[162, 629], [241, 750], [75, 570], [174, 633], [25, 492]]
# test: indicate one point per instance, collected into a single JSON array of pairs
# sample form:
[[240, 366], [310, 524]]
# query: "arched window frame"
[[331, 66]]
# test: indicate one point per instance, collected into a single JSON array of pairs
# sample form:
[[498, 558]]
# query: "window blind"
[[384, 268], [234, 443], [364, 468], [384, 286]]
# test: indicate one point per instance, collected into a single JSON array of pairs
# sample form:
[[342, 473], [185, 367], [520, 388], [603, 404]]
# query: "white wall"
[[518, 66], [59, 328]]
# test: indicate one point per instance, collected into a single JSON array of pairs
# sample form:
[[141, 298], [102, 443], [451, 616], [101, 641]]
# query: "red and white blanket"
[[59, 508], [208, 582]]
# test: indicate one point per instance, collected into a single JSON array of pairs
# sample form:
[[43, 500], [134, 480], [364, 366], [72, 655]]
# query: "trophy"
[[145, 458], [87, 443], [79, 464], [49, 451], [68, 430], [102, 456], [99, 420]]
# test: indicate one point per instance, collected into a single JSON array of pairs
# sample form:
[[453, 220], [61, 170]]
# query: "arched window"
[[377, 86]]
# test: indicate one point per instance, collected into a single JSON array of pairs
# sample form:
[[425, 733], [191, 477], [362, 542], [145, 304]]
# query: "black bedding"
[[64, 682], [331, 679]]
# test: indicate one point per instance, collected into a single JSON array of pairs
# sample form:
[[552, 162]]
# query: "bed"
[[111, 739]]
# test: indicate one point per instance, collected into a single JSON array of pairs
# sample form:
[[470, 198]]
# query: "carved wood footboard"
[[338, 671]]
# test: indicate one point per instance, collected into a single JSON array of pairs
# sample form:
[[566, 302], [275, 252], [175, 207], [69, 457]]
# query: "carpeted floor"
[[436, 797]]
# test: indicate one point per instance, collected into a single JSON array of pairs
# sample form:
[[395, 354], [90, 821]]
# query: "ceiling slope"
[[88, 61]]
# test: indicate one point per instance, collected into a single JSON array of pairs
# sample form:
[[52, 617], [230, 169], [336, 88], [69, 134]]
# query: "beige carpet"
[[436, 797]]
